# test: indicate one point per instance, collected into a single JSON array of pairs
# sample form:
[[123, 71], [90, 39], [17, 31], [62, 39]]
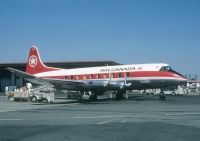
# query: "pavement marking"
[[12, 107], [63, 118], [123, 121], [182, 114], [103, 122], [9, 119], [88, 117], [120, 116]]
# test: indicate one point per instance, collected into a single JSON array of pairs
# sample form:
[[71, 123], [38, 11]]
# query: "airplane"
[[99, 79]]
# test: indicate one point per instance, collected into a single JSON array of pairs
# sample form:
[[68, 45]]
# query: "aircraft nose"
[[180, 77]]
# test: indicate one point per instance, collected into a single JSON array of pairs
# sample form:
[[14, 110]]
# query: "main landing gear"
[[162, 96], [119, 95], [93, 97]]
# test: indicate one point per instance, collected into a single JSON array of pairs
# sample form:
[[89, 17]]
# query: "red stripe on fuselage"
[[151, 74], [116, 75]]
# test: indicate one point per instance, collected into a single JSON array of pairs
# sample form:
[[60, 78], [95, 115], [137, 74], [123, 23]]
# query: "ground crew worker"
[[6, 92]]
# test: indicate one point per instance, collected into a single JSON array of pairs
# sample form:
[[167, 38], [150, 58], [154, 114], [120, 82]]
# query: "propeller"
[[125, 84], [121, 85]]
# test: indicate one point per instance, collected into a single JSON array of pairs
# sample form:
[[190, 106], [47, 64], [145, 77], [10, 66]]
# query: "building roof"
[[62, 64]]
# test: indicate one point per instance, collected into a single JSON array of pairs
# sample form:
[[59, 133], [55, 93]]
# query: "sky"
[[125, 31]]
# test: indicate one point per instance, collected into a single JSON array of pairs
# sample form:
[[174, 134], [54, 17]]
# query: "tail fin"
[[34, 63]]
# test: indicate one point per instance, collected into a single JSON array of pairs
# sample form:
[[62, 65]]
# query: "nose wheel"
[[162, 96]]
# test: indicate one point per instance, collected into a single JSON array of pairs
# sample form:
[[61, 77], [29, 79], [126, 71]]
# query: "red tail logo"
[[34, 63]]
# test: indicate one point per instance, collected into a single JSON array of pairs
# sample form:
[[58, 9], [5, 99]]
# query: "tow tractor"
[[43, 93]]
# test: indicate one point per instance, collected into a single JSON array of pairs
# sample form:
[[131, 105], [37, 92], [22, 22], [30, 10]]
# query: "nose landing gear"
[[162, 96]]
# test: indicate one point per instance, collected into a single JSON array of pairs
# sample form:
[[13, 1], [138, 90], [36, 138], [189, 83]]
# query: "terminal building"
[[10, 79]]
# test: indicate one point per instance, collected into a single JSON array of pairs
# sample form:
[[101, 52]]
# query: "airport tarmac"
[[140, 119]]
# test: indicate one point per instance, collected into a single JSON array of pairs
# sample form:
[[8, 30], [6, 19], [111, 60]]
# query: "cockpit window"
[[169, 69], [165, 68]]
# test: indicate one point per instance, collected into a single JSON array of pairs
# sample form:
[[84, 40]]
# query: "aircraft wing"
[[20, 73], [60, 83], [70, 84]]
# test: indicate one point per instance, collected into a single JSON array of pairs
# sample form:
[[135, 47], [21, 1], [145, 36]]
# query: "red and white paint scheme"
[[103, 78]]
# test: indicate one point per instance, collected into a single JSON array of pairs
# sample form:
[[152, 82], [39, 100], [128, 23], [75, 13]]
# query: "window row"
[[97, 76]]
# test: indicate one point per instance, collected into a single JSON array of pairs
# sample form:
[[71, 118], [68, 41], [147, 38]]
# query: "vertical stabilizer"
[[34, 63]]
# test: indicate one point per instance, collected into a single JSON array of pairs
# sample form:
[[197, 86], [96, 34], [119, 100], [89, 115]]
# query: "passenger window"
[[91, 76], [120, 75]]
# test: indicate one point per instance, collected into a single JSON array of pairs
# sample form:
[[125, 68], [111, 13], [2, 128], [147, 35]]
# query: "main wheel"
[[93, 97], [119, 95]]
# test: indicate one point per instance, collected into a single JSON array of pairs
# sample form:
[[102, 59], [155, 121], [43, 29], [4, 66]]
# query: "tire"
[[11, 99], [93, 98], [162, 97], [45, 100], [173, 93], [34, 99], [119, 95]]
